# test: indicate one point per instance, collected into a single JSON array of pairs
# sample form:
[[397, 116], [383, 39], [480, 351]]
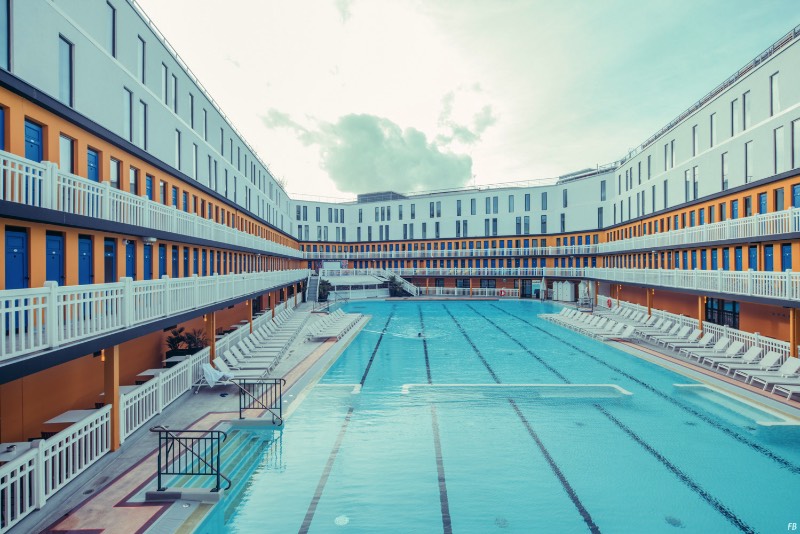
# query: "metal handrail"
[[215, 435], [244, 393]]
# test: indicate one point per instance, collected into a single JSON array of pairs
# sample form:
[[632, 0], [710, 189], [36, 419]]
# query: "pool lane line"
[[472, 344], [793, 468], [683, 477], [523, 347], [312, 507], [377, 345], [587, 518], [447, 525], [424, 345]]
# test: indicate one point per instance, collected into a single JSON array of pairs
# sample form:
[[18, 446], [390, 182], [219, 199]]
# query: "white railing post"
[[788, 282], [196, 291], [52, 324], [50, 185], [167, 281], [159, 392], [174, 218], [749, 281], [146, 212], [127, 301], [105, 201], [39, 495], [719, 281]]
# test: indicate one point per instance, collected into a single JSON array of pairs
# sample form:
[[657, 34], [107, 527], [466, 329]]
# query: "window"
[[602, 190], [413, 211], [174, 93], [712, 134], [431, 211], [774, 95], [734, 116], [65, 71], [649, 166], [486, 227], [779, 199], [115, 170], [543, 224], [686, 186], [672, 154], [438, 209], [564, 198], [5, 34], [495, 204], [724, 168], [194, 161], [748, 162], [140, 60], [746, 112], [458, 208], [178, 149], [473, 206], [695, 181], [722, 312], [544, 200], [142, 125], [164, 84], [133, 180], [66, 146], [779, 157], [796, 143], [694, 140], [510, 203], [127, 114], [111, 44], [205, 125], [528, 200], [494, 226]]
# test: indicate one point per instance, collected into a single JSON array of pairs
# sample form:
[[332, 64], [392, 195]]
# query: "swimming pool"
[[494, 420]]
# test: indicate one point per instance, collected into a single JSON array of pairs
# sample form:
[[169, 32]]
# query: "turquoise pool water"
[[453, 432]]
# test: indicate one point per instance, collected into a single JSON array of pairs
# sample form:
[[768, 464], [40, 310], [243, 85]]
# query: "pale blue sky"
[[342, 96]]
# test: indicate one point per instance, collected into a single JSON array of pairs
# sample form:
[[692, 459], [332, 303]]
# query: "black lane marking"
[[445, 504], [710, 499], [471, 344], [425, 345], [553, 465], [377, 345], [783, 462], [587, 518], [523, 347], [312, 507]]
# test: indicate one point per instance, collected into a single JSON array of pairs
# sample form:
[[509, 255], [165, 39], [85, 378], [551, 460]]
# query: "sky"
[[341, 97]]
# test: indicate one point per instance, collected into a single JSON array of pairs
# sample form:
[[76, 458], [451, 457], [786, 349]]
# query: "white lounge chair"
[[771, 360]]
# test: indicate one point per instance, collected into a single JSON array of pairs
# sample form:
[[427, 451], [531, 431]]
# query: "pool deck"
[[108, 497]]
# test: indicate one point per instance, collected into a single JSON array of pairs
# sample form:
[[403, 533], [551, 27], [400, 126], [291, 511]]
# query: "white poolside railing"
[[469, 292], [44, 185], [37, 319], [749, 339], [28, 481]]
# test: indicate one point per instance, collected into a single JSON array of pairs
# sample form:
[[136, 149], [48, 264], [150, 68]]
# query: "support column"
[[793, 337], [619, 290], [249, 305], [596, 292], [111, 389], [650, 302], [211, 332], [701, 305]]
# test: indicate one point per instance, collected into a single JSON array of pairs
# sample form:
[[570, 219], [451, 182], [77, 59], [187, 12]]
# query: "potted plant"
[[176, 343], [396, 288], [324, 289], [196, 340]]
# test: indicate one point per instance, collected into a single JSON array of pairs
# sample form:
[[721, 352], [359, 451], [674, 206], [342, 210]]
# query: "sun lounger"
[[788, 373], [786, 389], [750, 356], [786, 369], [771, 360], [718, 349]]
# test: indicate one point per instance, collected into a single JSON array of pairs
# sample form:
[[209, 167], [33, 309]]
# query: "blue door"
[[92, 165], [16, 259], [737, 258], [211, 262], [768, 260], [685, 260], [205, 263], [186, 271], [713, 259], [762, 203], [703, 263], [796, 196], [786, 257], [752, 258], [694, 259], [110, 260], [162, 260], [85, 260], [148, 187], [734, 209], [175, 254], [726, 259], [33, 141], [195, 262], [148, 262], [2, 129], [55, 258], [130, 260]]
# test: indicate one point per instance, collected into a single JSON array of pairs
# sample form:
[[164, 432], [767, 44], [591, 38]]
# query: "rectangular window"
[[431, 210], [602, 190], [672, 154], [511, 203], [473, 206], [164, 84], [115, 170], [65, 71], [748, 162], [734, 116], [127, 114], [438, 209], [174, 93], [458, 208], [779, 199], [712, 134], [778, 152], [724, 168], [544, 200], [746, 111], [194, 161], [413, 211], [495, 204], [526, 223], [205, 125], [5, 34], [494, 226], [528, 200], [543, 229], [564, 198], [178, 149], [563, 223], [111, 44], [649, 166], [694, 140], [142, 125], [133, 180], [141, 55], [486, 227], [774, 95], [695, 181]]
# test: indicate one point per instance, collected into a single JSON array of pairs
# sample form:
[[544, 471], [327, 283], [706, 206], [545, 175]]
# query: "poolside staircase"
[[408, 287], [240, 454], [313, 288]]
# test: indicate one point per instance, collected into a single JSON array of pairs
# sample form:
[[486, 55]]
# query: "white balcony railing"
[[37, 319], [467, 292], [44, 185]]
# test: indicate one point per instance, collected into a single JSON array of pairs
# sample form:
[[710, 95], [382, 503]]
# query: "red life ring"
[[502, 292], [608, 303]]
